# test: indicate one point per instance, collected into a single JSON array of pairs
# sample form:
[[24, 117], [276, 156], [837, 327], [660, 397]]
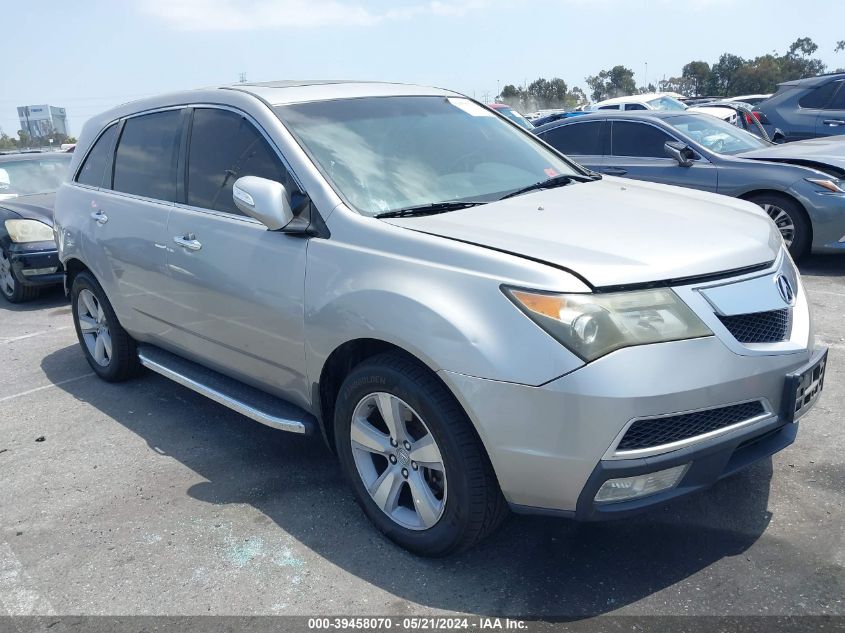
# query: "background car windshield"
[[517, 118], [716, 135], [388, 153], [21, 178], [666, 104]]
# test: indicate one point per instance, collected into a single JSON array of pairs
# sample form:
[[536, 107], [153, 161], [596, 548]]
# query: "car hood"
[[38, 206], [617, 232], [822, 152]]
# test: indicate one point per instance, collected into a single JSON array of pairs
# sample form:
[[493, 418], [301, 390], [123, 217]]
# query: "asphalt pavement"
[[146, 498]]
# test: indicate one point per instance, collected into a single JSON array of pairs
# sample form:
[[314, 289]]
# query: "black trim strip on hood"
[[645, 285]]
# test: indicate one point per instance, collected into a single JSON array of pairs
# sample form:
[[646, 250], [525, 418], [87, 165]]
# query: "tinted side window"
[[578, 139], [638, 139], [635, 106], [145, 163], [818, 97], [94, 168], [225, 146], [838, 102]]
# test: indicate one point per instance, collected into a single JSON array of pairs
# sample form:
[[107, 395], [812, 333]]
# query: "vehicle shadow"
[[533, 567], [49, 297], [823, 265]]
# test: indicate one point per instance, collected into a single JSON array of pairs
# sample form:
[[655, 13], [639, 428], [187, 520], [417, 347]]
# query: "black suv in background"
[[807, 108]]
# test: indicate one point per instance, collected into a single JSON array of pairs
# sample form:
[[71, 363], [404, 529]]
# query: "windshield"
[[516, 117], [387, 153], [715, 134], [666, 104], [28, 176]]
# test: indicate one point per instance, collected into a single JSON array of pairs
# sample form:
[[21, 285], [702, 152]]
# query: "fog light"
[[28, 272], [637, 486]]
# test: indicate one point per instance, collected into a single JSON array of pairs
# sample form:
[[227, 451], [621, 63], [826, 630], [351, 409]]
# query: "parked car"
[[557, 116], [470, 320], [750, 99], [28, 257], [660, 102], [801, 187], [507, 111], [807, 108]]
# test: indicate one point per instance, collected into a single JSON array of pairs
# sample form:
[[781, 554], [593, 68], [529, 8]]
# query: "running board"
[[246, 400]]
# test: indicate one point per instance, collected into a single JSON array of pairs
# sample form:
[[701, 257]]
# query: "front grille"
[[652, 432], [758, 327]]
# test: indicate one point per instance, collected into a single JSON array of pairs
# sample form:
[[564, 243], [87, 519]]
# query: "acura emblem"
[[785, 289]]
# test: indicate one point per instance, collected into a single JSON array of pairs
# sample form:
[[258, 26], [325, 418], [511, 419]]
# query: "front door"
[[637, 150], [236, 288]]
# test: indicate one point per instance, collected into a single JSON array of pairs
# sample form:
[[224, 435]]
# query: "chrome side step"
[[246, 400]]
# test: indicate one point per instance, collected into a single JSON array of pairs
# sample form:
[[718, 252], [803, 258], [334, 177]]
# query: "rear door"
[[831, 118], [128, 216], [637, 150], [237, 288], [582, 141]]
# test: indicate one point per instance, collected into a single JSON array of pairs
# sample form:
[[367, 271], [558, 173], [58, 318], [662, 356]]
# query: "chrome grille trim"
[[614, 453]]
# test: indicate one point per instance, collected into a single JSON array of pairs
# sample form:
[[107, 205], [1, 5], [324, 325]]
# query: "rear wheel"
[[109, 350], [13, 290], [416, 466], [790, 219]]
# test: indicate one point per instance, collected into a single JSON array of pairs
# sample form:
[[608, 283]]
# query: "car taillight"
[[759, 116]]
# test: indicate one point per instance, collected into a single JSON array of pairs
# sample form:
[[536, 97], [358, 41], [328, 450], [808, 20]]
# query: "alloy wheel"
[[783, 221], [7, 281], [398, 461], [94, 327]]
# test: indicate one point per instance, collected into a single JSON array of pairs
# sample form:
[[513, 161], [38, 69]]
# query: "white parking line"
[[17, 591], [50, 386], [26, 336]]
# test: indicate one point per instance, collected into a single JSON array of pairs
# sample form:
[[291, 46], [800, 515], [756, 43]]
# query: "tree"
[[722, 73], [797, 63], [616, 82], [697, 75], [840, 46], [6, 141]]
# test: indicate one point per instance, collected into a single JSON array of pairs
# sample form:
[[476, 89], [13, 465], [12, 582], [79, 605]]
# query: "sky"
[[89, 55]]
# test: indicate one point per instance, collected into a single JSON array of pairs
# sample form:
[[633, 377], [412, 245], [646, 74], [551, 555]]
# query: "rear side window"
[[225, 146], [635, 106], [94, 168], [638, 139], [838, 102], [818, 97], [147, 154], [576, 139]]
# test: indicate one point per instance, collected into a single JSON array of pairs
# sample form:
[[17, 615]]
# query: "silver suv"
[[470, 320]]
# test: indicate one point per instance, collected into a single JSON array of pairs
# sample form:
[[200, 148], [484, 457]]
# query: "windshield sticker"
[[469, 107], [551, 173]]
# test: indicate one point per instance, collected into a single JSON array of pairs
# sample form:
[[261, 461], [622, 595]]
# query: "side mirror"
[[778, 136], [265, 200], [681, 152]]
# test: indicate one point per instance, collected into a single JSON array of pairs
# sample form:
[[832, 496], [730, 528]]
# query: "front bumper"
[[551, 445], [36, 263]]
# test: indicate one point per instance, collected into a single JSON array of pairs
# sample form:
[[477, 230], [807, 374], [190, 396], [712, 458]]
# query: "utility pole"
[[645, 78], [242, 78]]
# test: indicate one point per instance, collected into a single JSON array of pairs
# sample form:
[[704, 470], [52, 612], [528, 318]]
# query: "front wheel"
[[791, 221], [415, 463], [12, 289], [108, 348]]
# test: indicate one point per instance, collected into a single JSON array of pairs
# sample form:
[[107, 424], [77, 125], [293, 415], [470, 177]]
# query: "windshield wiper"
[[430, 209], [550, 183]]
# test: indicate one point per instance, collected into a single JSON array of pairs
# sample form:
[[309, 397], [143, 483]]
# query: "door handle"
[[188, 241], [100, 217], [834, 122], [615, 171]]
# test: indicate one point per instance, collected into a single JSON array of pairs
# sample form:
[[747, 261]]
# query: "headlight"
[[831, 184], [29, 231], [592, 325]]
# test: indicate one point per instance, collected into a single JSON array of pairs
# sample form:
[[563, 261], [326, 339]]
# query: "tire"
[[790, 218], [461, 502], [12, 289], [109, 350]]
